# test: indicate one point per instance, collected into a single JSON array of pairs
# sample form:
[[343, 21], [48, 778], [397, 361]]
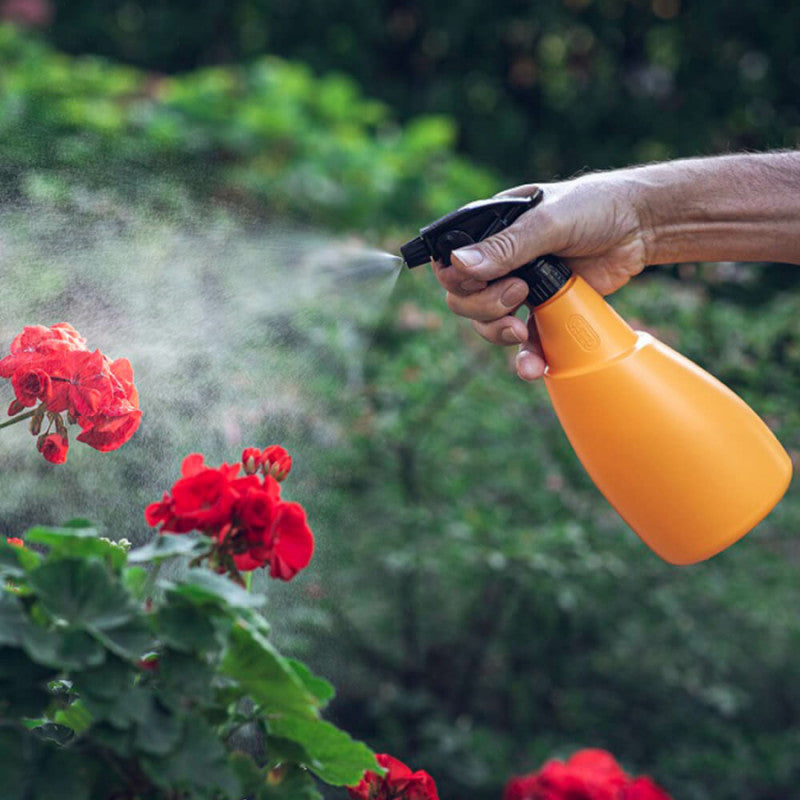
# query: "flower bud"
[[251, 459], [276, 461], [53, 447], [36, 421]]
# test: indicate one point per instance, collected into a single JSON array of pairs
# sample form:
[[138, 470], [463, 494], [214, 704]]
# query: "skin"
[[608, 226]]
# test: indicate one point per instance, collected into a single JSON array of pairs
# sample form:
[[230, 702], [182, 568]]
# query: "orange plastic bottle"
[[686, 463]]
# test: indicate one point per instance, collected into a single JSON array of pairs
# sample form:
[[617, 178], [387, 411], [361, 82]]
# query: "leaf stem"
[[18, 418]]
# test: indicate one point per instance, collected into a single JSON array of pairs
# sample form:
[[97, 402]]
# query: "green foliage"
[[484, 609], [269, 135], [537, 89], [103, 694]]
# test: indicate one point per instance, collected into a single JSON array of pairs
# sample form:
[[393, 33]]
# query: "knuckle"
[[502, 246], [484, 331]]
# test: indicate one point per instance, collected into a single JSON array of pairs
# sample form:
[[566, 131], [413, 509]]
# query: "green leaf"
[[130, 640], [169, 545], [264, 674], [135, 580], [130, 707], [207, 588], [282, 751], [15, 561], [199, 761], [53, 732], [186, 675], [319, 687], [74, 716], [158, 733], [185, 626], [83, 593], [104, 682], [74, 541], [336, 758], [79, 523], [62, 648]]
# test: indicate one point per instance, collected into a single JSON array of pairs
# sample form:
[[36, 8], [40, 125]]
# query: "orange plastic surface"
[[686, 463]]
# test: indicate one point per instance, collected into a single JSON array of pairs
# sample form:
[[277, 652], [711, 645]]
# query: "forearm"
[[724, 208]]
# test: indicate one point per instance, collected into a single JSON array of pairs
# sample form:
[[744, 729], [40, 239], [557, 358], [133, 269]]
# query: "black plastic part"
[[544, 276], [477, 221], [415, 253]]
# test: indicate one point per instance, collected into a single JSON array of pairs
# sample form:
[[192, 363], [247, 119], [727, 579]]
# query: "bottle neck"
[[579, 330]]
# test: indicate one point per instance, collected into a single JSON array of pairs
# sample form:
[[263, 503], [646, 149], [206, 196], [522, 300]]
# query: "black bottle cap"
[[544, 276]]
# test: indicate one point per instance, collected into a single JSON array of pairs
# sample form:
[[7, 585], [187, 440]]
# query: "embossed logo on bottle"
[[582, 332]]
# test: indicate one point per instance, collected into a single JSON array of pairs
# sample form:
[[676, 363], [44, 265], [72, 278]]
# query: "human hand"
[[592, 223]]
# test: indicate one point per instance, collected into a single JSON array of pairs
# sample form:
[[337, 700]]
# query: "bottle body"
[[685, 462]]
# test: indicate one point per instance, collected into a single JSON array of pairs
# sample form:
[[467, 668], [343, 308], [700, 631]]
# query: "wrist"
[[724, 208]]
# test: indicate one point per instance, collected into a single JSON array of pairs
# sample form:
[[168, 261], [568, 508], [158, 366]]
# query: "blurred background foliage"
[[476, 602]]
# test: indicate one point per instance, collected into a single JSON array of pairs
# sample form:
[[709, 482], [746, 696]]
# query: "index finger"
[[454, 281]]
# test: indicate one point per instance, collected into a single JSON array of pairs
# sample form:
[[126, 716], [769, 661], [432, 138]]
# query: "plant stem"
[[18, 418], [248, 580]]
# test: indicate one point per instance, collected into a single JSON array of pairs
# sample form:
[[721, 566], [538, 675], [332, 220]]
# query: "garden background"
[[208, 171]]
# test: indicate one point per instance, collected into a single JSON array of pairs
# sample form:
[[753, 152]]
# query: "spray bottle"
[[684, 461]]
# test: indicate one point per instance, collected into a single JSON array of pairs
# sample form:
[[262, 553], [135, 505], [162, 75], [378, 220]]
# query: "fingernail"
[[509, 336], [514, 295], [472, 285], [468, 256], [529, 368]]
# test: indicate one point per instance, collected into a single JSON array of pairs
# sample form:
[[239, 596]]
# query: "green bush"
[[270, 137], [114, 683]]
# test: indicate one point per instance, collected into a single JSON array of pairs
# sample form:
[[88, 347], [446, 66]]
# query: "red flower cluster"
[[399, 783], [15, 541], [52, 367], [251, 524], [587, 775]]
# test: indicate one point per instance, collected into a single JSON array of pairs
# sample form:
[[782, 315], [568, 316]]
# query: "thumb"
[[531, 235]]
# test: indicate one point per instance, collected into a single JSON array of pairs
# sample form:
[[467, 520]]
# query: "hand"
[[592, 222]]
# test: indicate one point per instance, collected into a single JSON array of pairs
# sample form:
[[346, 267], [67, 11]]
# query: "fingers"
[[497, 300], [530, 363], [454, 281], [504, 331]]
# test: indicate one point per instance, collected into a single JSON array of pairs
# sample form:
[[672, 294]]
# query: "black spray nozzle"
[[477, 221]]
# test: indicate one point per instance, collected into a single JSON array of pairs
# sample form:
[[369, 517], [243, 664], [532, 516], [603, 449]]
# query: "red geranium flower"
[[13, 540], [30, 385], [588, 775], [53, 447], [292, 542], [399, 783], [53, 367], [251, 524]]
